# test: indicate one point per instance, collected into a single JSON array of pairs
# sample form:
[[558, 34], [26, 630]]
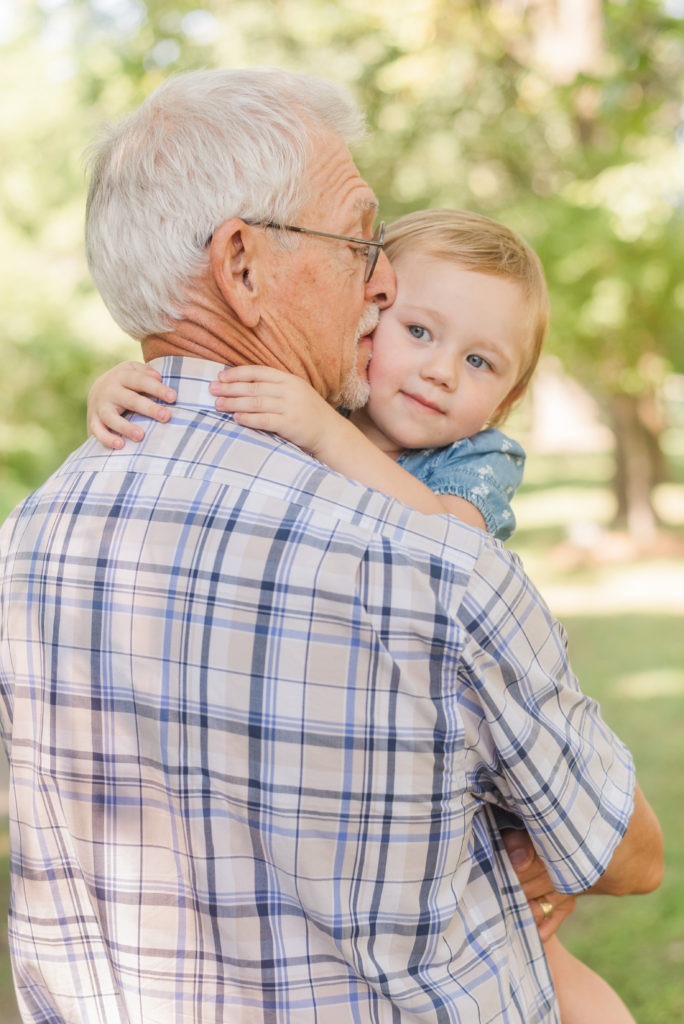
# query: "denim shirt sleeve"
[[486, 470]]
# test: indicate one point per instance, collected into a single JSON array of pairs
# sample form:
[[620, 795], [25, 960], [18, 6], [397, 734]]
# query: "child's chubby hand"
[[264, 398], [127, 387]]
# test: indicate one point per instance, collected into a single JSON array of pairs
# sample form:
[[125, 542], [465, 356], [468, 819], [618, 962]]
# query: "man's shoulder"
[[205, 452]]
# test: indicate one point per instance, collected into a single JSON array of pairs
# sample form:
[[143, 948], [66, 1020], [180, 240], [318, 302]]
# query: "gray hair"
[[204, 147]]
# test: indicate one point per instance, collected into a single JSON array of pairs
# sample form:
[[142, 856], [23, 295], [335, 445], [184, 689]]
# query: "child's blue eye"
[[478, 362], [418, 332]]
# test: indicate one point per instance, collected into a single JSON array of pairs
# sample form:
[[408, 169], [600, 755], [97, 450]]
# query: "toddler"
[[450, 358]]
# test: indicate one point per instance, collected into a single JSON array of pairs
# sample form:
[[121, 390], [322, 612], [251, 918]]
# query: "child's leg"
[[583, 997]]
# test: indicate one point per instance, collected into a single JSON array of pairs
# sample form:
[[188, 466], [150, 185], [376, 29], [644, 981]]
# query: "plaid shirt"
[[259, 721]]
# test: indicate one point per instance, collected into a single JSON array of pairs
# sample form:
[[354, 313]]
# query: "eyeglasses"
[[372, 246]]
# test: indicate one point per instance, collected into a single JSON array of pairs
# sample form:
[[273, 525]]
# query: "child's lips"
[[424, 402]]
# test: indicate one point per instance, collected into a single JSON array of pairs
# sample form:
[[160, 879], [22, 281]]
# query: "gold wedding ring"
[[545, 906]]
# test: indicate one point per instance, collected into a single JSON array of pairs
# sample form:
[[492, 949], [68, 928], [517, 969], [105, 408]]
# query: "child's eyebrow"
[[410, 309]]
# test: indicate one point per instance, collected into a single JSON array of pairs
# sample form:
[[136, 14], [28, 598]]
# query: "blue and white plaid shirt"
[[259, 718]]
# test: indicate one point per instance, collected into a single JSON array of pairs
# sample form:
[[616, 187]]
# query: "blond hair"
[[485, 246]]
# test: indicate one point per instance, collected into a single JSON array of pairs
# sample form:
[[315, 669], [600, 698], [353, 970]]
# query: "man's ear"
[[234, 258]]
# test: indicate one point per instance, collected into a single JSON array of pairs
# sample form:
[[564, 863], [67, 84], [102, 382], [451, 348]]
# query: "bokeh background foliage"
[[561, 117]]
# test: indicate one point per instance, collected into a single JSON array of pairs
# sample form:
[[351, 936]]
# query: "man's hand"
[[549, 908]]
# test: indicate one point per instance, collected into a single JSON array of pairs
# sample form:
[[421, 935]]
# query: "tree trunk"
[[639, 463]]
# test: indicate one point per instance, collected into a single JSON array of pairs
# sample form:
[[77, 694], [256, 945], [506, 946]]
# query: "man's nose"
[[382, 287]]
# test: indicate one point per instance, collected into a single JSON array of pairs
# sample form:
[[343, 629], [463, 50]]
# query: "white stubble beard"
[[355, 390]]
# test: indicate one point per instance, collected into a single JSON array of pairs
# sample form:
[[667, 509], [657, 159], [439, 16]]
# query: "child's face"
[[446, 355]]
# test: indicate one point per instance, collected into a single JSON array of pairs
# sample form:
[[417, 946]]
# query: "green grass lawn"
[[624, 614]]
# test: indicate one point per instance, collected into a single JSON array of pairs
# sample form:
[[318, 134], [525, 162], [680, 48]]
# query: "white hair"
[[204, 147]]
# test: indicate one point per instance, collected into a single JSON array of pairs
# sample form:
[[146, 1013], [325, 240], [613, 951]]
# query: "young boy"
[[450, 358]]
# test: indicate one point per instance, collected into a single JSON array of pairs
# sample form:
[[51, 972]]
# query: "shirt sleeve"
[[541, 748], [485, 470]]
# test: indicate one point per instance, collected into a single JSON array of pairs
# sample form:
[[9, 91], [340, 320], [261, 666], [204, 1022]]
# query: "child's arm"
[[128, 387], [583, 996], [269, 399]]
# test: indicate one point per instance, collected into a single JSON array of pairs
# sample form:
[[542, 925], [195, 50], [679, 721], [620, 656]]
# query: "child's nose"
[[442, 370]]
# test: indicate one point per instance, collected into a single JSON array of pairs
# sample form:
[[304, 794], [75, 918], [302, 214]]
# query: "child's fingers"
[[139, 403], [156, 388], [109, 436], [107, 424], [132, 431], [259, 421], [256, 402], [244, 387], [102, 434], [140, 377], [144, 381], [255, 395], [224, 389], [233, 374]]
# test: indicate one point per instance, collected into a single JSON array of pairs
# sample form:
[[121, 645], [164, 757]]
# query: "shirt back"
[[258, 717]]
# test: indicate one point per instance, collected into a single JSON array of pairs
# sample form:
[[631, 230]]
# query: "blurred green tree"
[[562, 117]]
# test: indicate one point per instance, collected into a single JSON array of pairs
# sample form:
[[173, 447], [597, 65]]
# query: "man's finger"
[[519, 848]]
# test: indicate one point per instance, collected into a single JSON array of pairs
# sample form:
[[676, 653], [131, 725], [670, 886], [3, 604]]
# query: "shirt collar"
[[190, 377]]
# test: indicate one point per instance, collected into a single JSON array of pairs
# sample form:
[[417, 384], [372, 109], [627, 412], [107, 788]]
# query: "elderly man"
[[261, 719]]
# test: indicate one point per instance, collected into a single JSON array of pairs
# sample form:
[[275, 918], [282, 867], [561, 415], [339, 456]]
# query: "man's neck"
[[234, 345], [204, 337], [175, 343]]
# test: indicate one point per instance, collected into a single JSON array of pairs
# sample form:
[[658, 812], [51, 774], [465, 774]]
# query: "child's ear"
[[235, 264]]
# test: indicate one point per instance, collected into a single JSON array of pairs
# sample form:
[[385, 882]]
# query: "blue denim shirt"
[[486, 470]]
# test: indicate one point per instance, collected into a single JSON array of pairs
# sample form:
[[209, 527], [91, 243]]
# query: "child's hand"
[[268, 399], [128, 387]]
